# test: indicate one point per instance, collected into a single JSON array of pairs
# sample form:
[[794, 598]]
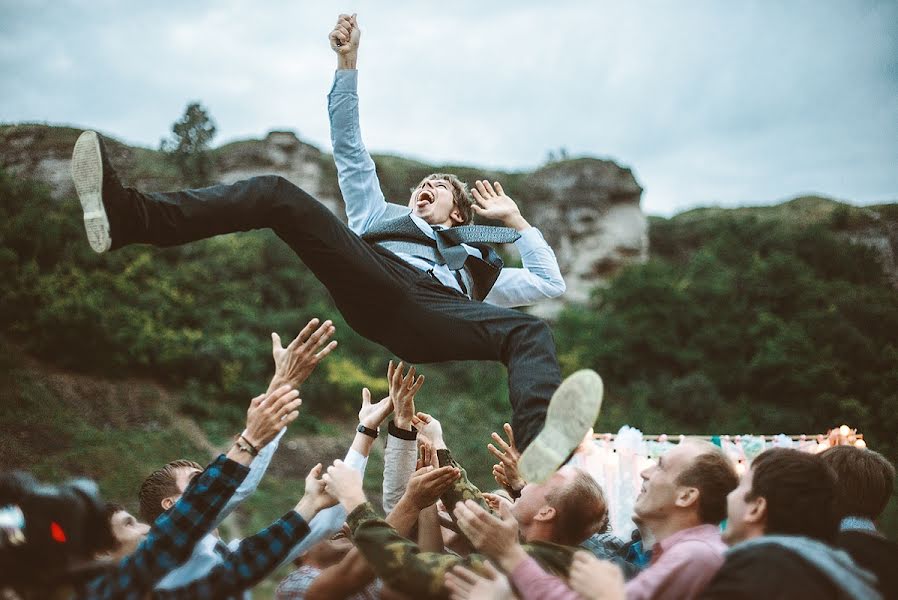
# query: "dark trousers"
[[381, 296]]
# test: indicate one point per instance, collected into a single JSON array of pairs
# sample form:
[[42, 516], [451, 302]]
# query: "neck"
[[539, 532], [664, 528]]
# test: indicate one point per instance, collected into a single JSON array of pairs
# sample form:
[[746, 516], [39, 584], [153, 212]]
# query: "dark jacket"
[[781, 567], [875, 553]]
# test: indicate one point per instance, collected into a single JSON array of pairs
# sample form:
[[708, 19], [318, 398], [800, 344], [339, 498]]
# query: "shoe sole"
[[87, 174], [573, 409]]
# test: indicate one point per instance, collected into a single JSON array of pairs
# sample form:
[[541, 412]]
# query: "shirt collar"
[[857, 524], [423, 226], [699, 532]]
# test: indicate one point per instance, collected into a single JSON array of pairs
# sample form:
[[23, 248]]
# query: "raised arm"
[[258, 555], [292, 366], [176, 531], [329, 521], [540, 277], [365, 203]]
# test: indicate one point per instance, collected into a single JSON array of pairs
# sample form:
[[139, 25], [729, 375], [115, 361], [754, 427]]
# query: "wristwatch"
[[367, 431]]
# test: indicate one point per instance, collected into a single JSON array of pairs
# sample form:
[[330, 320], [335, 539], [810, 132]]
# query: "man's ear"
[[756, 511], [545, 514], [686, 496], [456, 217], [167, 503]]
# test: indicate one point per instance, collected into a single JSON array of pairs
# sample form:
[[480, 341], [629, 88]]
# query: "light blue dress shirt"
[[538, 279]]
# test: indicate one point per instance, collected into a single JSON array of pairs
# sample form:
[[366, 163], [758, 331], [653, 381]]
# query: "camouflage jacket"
[[404, 567]]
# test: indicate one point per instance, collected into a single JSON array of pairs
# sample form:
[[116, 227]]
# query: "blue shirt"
[[539, 279]]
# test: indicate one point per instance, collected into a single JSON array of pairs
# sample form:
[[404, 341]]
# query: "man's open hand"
[[427, 484], [494, 536], [506, 472], [372, 415], [492, 203], [403, 389], [294, 364], [429, 428], [268, 414]]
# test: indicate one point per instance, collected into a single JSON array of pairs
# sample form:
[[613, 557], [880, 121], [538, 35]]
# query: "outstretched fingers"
[[304, 334]]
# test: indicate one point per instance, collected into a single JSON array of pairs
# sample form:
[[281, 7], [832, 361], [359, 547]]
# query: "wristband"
[[367, 431], [244, 445], [249, 445], [402, 434]]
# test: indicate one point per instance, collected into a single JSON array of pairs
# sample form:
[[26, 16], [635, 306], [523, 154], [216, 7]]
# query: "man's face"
[[738, 509], [330, 551], [658, 496], [128, 533], [533, 496], [432, 201]]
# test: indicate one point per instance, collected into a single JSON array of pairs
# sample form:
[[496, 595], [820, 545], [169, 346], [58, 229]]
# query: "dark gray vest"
[[401, 234]]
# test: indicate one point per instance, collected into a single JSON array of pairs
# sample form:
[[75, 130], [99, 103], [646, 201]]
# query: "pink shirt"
[[681, 567]]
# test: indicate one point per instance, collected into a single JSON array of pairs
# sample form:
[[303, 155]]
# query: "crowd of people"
[[796, 523], [424, 283]]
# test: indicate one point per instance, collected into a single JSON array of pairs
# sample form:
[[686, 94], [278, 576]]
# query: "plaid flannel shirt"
[[173, 535], [256, 557]]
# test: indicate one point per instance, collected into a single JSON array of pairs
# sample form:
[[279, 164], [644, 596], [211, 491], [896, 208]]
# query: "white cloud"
[[708, 102]]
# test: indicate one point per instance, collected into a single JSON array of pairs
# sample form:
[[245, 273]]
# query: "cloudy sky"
[[711, 103]]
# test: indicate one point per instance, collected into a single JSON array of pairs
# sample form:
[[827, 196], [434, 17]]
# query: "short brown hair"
[[581, 508], [460, 194], [158, 486], [864, 481], [714, 476], [799, 489]]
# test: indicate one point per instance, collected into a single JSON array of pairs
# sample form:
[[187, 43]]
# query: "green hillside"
[[761, 320]]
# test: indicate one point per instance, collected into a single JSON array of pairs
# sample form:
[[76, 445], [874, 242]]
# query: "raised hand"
[[372, 415], [427, 484], [494, 536], [429, 428], [345, 484], [402, 392], [269, 413], [596, 579], [294, 364], [465, 584], [315, 497], [506, 472], [495, 501], [344, 40], [492, 203]]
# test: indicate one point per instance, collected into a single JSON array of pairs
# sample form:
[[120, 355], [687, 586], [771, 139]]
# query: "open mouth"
[[425, 197]]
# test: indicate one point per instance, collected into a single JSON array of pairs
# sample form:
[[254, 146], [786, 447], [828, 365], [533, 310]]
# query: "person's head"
[[687, 486], [566, 509], [442, 199], [865, 480], [327, 552], [127, 532], [164, 487], [786, 492]]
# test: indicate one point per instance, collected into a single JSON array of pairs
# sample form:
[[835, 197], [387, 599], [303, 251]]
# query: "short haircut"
[[714, 475], [800, 490], [460, 195], [160, 485], [110, 543], [581, 509], [865, 480]]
